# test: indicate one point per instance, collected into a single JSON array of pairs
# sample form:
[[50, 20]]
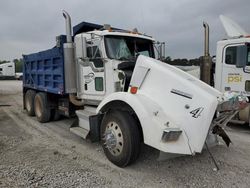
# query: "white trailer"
[[125, 97], [7, 70]]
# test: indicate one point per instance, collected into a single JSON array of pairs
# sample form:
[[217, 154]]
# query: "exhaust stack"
[[69, 63], [205, 67], [206, 39], [68, 26]]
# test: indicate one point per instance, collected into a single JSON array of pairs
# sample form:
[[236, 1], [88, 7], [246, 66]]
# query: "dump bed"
[[44, 70]]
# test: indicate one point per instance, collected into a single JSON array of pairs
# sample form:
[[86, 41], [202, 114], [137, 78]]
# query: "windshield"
[[127, 48]]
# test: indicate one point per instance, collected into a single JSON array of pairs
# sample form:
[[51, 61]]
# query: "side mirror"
[[160, 50], [241, 56]]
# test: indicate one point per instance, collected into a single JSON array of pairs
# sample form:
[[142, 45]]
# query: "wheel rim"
[[38, 108], [113, 138]]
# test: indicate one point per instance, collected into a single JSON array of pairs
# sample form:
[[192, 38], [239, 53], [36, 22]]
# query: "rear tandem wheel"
[[42, 108], [29, 102]]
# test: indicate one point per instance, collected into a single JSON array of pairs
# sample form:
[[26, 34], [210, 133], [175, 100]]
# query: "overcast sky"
[[28, 26]]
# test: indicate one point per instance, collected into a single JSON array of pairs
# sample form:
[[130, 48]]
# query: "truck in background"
[[7, 71], [231, 70], [233, 64], [121, 95]]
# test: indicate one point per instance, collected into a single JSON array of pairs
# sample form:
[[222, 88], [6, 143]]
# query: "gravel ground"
[[48, 155]]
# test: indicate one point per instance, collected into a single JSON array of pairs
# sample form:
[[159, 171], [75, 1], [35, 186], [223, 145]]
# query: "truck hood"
[[186, 102]]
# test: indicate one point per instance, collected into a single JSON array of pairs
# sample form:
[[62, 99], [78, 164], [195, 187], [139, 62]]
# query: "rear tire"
[[42, 109], [120, 138], [29, 102]]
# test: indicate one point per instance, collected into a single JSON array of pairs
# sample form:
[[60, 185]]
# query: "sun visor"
[[86, 27]]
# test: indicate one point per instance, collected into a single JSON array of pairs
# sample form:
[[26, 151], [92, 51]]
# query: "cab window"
[[231, 53], [93, 52], [94, 55]]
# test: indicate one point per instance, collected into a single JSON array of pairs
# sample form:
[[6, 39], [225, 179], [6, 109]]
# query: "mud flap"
[[95, 123], [75, 123], [220, 131]]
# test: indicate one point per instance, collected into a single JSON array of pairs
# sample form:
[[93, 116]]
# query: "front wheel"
[[120, 138]]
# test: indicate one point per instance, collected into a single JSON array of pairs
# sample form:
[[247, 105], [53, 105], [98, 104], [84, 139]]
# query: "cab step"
[[82, 126]]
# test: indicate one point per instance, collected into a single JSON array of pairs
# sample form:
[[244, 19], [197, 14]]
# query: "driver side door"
[[93, 86], [234, 77]]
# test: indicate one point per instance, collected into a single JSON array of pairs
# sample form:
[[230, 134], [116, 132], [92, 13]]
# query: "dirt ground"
[[48, 155]]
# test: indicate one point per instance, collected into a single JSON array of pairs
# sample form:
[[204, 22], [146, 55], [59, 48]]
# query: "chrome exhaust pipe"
[[206, 39], [68, 26], [206, 64], [69, 63]]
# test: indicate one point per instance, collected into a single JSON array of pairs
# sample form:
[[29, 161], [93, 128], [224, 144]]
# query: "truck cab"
[[109, 61], [233, 65], [232, 72]]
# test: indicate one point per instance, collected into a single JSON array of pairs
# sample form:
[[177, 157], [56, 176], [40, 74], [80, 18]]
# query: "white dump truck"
[[122, 96]]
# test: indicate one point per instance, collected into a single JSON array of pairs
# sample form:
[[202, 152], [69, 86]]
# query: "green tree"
[[167, 59], [4, 61], [18, 65]]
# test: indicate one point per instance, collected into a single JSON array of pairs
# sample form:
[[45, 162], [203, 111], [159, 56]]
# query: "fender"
[[153, 122]]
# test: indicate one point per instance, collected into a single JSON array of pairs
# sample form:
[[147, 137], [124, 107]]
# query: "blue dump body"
[[44, 70]]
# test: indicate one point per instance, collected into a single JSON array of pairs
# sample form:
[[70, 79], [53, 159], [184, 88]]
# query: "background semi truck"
[[7, 70], [232, 63], [230, 71], [121, 95]]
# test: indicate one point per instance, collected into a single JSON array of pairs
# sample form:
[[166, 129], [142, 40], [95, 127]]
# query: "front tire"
[[120, 138], [42, 109]]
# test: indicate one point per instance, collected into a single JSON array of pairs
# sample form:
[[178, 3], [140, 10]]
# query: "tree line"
[[182, 62]]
